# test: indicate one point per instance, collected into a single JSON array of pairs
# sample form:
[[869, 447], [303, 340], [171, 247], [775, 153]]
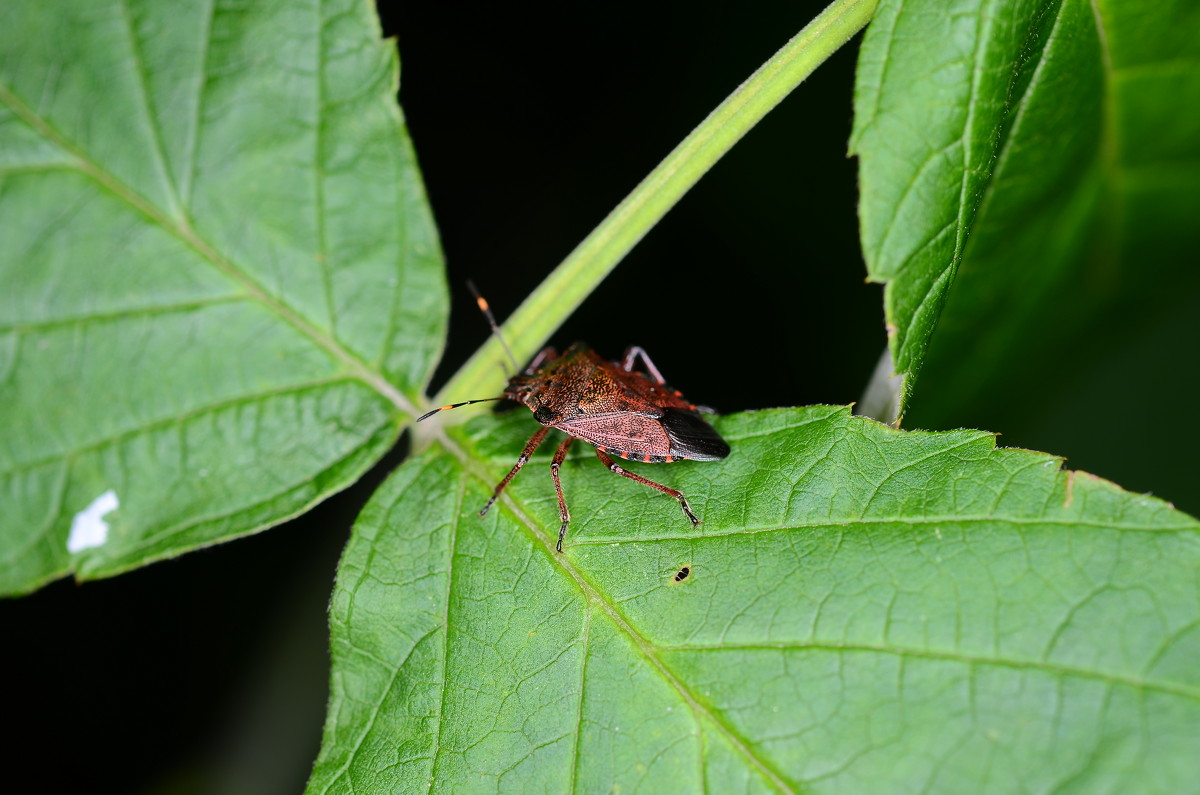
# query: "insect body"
[[621, 411]]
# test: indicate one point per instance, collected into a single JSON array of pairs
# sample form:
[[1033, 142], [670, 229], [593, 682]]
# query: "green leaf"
[[930, 95], [1039, 158], [1066, 264], [223, 291], [867, 610]]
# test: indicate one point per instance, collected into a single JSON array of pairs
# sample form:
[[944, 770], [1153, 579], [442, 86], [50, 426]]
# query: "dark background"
[[528, 139], [209, 673]]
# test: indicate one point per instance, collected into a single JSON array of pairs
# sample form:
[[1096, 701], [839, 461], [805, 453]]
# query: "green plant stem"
[[553, 301]]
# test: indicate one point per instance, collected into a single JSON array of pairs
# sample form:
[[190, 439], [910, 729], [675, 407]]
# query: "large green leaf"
[[222, 285], [1041, 157], [1063, 267], [867, 610]]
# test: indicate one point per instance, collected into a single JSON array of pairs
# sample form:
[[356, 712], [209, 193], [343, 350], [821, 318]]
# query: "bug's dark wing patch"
[[692, 437]]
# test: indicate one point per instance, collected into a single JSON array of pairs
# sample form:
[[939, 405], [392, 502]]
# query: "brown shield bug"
[[619, 410]]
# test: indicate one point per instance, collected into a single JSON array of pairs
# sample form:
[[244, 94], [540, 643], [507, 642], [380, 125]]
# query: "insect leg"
[[683, 503], [559, 456], [544, 355], [634, 352], [532, 445]]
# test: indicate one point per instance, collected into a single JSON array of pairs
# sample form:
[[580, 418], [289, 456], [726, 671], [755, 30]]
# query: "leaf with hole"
[[863, 605]]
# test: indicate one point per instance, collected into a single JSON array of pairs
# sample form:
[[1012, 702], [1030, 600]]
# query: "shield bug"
[[616, 408]]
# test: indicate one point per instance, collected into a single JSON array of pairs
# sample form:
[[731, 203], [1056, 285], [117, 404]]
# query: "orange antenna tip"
[[429, 414], [491, 319]]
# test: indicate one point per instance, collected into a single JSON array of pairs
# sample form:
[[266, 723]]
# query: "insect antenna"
[[491, 319], [429, 414], [482, 303]]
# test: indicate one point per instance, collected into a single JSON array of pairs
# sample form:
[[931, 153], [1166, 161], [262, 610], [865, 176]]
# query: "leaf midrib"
[[182, 229]]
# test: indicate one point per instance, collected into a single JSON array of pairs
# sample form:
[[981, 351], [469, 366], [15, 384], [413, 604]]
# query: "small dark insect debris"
[[610, 405], [683, 573]]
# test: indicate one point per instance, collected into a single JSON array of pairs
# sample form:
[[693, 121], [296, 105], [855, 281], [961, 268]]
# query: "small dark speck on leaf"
[[683, 573]]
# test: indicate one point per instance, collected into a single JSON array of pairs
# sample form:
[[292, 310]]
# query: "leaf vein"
[[147, 106], [174, 420], [922, 522], [196, 520], [1044, 666], [441, 711], [191, 145], [182, 229], [322, 255], [148, 310], [576, 760]]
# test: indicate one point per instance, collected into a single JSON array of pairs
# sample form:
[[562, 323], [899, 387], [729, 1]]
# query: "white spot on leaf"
[[88, 528]]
